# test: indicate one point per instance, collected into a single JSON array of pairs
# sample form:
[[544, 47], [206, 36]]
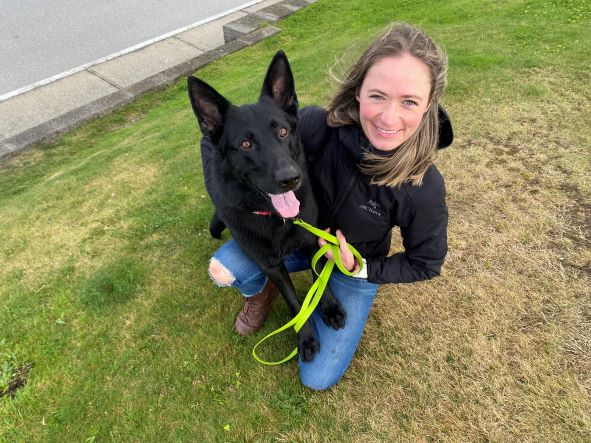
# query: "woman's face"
[[392, 100]]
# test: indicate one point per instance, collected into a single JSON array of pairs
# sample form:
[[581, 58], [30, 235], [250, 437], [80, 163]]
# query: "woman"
[[371, 157]]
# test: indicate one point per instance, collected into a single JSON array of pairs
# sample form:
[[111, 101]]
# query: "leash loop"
[[315, 293]]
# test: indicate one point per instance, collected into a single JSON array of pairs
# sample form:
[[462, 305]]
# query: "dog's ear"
[[209, 106], [279, 83]]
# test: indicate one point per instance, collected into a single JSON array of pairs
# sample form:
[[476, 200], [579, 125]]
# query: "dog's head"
[[257, 143]]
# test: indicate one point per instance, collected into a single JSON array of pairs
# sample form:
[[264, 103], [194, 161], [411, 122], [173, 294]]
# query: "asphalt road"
[[41, 39]]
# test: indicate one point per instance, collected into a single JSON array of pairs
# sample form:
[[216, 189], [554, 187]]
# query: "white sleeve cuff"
[[363, 272]]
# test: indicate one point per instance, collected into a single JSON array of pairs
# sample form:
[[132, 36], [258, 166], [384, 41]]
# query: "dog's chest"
[[268, 236]]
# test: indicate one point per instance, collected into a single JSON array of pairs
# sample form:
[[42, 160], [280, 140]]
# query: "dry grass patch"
[[497, 349]]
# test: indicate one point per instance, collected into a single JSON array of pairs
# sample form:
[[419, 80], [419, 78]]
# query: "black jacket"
[[366, 213]]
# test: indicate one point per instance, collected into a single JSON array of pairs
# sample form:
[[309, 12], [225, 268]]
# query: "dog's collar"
[[267, 213]]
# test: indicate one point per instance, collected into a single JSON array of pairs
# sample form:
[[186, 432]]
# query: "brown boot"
[[252, 315]]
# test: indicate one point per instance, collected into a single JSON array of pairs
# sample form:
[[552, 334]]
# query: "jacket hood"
[[446, 133]]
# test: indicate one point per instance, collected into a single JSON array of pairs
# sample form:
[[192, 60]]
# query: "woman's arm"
[[312, 129], [207, 162], [425, 247]]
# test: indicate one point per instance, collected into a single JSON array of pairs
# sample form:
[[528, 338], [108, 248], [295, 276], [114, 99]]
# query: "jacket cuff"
[[363, 272]]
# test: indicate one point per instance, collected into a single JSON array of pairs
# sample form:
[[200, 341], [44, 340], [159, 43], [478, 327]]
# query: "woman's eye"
[[245, 145], [410, 103], [283, 132], [376, 97]]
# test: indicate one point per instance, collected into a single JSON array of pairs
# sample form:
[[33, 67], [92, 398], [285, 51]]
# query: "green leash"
[[315, 293]]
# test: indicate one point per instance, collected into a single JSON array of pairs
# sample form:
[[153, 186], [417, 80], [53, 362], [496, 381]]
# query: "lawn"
[[111, 325]]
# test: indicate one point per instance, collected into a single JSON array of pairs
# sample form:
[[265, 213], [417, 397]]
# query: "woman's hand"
[[347, 258]]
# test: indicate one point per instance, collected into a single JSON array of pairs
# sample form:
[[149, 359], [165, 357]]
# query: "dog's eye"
[[246, 144], [283, 132]]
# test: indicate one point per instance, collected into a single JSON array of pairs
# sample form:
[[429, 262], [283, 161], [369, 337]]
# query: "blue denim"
[[336, 346]]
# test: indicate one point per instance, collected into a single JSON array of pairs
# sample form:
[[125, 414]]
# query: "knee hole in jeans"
[[219, 274]]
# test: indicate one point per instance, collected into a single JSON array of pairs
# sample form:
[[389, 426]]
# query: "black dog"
[[259, 183]]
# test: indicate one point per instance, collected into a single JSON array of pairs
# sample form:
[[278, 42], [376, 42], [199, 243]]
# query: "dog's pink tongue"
[[286, 204]]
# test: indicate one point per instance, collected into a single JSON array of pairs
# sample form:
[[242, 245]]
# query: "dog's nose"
[[288, 178], [290, 184]]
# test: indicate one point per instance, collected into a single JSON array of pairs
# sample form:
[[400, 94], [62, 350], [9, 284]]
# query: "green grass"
[[104, 251]]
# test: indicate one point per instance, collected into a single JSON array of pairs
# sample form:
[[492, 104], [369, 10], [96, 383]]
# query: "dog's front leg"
[[308, 344], [331, 310]]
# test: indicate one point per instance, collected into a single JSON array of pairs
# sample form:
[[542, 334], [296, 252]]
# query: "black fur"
[[257, 153]]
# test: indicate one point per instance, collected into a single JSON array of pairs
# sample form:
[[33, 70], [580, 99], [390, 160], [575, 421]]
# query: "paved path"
[[53, 108], [43, 39]]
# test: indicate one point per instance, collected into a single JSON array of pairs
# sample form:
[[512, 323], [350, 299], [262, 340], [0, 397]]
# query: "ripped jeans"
[[337, 347]]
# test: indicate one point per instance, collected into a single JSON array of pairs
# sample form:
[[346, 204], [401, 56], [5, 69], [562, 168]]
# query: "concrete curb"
[[116, 82]]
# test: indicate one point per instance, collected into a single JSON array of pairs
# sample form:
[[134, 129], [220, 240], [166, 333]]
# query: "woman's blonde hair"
[[410, 161]]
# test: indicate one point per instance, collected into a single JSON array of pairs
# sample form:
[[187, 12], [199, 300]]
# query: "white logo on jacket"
[[372, 207]]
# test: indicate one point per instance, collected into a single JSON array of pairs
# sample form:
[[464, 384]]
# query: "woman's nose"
[[390, 115]]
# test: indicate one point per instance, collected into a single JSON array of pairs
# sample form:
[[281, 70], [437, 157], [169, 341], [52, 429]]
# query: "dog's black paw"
[[308, 346], [333, 315], [331, 311]]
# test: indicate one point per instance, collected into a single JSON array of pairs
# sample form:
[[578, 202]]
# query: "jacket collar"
[[353, 141], [356, 143]]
